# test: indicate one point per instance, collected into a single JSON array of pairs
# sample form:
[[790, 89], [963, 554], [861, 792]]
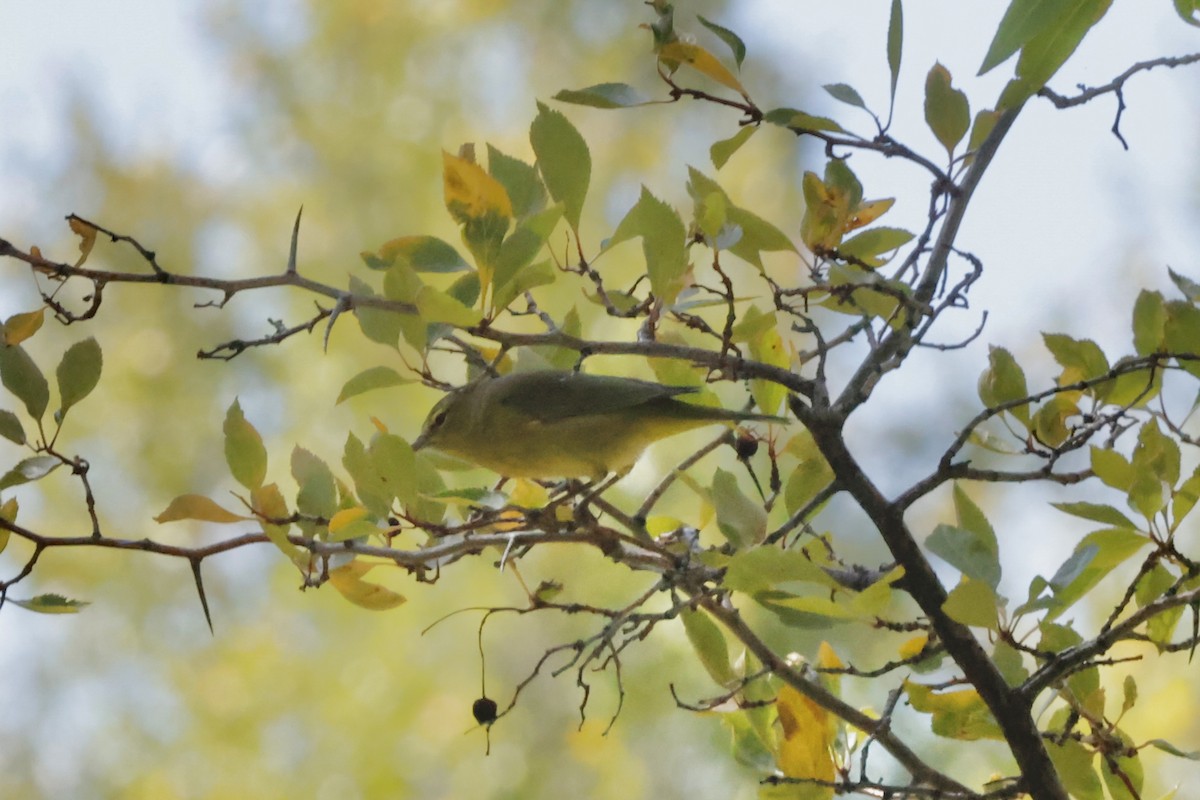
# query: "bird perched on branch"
[[555, 424]]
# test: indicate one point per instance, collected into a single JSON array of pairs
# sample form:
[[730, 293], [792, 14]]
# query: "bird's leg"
[[595, 488]]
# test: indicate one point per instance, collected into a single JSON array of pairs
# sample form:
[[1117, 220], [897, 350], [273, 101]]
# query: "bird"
[[550, 424]]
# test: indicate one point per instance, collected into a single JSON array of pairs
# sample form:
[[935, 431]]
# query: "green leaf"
[[1155, 465], [524, 244], [318, 491], [946, 109], [1152, 586], [520, 182], [758, 236], [604, 95], [1096, 513], [78, 372], [1074, 764], [820, 608], [663, 243], [1003, 382], [981, 128], [731, 39], [722, 151], [1185, 497], [1129, 693], [420, 253], [1050, 47], [1050, 421], [1112, 468], [1188, 287], [1023, 20], [1156, 454], [1081, 359], [377, 324], [973, 603], [1149, 321], [389, 469], [29, 469], [800, 121], [244, 450], [807, 480], [1167, 747], [1181, 333], [435, 306], [370, 379], [11, 428], [710, 646], [51, 604], [895, 44], [846, 94], [1127, 771], [870, 244], [21, 376], [967, 552], [372, 490], [1133, 388], [543, 273], [758, 568], [563, 159], [1095, 557], [742, 521], [1010, 663]]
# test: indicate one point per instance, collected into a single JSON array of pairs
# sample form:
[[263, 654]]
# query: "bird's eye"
[[439, 419]]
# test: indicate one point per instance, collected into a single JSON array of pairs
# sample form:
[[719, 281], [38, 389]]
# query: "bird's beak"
[[421, 441]]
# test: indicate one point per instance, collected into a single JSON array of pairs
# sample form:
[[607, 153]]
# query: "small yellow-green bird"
[[553, 424]]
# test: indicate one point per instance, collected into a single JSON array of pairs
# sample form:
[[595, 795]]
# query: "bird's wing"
[[551, 396]]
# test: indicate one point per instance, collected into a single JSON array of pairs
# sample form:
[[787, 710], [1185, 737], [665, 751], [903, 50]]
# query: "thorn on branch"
[[195, 562]]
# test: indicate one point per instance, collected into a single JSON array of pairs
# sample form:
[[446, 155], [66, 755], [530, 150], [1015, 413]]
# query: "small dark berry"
[[746, 446], [484, 710]]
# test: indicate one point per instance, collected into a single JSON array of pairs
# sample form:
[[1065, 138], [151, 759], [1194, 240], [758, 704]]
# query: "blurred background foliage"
[[344, 107]]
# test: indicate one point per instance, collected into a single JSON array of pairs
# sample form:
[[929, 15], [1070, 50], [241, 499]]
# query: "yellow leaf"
[[347, 579], [87, 238], [957, 713], [827, 658], [768, 348], [267, 502], [868, 212], [912, 647], [700, 60], [379, 425], [197, 507], [344, 517], [8, 513], [470, 192], [805, 750], [20, 327], [529, 494], [826, 211]]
